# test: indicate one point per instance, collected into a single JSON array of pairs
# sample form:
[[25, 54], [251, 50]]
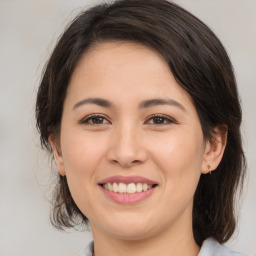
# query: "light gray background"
[[28, 31]]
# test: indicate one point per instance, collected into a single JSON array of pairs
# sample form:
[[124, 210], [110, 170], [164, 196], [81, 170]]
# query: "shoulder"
[[87, 251], [211, 247]]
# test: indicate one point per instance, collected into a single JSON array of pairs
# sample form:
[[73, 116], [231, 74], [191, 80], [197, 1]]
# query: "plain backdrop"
[[28, 32]]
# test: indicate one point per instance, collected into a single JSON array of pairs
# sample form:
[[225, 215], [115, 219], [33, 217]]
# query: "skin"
[[128, 141]]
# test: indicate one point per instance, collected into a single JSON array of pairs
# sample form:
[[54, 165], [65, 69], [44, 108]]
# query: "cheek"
[[81, 156], [180, 157], [179, 161], [81, 153]]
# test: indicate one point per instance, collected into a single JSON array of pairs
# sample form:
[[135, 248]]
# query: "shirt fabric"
[[210, 247]]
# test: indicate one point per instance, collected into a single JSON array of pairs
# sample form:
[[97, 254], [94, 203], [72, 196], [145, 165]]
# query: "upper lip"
[[127, 180]]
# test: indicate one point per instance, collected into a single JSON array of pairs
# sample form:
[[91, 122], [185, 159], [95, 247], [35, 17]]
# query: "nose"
[[126, 147]]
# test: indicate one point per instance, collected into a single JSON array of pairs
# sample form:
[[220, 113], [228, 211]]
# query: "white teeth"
[[115, 187], [110, 187], [139, 187], [122, 188], [130, 188], [145, 186]]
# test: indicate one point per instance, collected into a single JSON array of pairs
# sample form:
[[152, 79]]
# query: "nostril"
[[114, 161]]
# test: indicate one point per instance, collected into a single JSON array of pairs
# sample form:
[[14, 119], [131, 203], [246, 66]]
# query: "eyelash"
[[88, 119], [167, 120]]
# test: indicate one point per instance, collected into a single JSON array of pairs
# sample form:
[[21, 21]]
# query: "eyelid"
[[168, 118], [85, 119]]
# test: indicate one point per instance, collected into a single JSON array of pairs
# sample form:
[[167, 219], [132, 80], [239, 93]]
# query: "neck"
[[176, 242]]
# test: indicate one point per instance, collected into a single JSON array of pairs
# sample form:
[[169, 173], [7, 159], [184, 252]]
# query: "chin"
[[131, 233], [130, 228]]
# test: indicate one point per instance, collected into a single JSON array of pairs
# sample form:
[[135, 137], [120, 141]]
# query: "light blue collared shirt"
[[210, 247]]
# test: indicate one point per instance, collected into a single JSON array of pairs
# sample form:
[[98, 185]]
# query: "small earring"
[[209, 167]]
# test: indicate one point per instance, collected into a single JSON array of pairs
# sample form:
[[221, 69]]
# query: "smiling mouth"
[[130, 188]]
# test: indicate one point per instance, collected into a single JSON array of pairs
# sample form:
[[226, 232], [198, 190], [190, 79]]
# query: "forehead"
[[120, 54], [120, 69]]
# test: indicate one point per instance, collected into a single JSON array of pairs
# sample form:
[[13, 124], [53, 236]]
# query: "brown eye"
[[160, 120], [95, 120]]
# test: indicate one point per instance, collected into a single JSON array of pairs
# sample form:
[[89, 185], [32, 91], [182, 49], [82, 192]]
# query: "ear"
[[214, 149], [57, 155]]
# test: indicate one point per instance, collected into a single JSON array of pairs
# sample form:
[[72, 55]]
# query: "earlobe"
[[214, 149], [57, 155]]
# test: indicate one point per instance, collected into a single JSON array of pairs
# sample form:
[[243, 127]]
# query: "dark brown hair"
[[200, 65]]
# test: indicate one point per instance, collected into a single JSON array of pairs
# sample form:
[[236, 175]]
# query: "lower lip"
[[128, 198]]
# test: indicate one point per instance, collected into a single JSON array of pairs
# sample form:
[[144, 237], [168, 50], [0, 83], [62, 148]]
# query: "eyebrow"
[[97, 101], [156, 102], [144, 104]]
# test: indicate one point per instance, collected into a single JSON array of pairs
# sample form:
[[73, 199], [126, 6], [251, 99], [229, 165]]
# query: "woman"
[[139, 106]]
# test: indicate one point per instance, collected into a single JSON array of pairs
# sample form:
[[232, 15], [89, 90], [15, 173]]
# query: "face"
[[131, 143]]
